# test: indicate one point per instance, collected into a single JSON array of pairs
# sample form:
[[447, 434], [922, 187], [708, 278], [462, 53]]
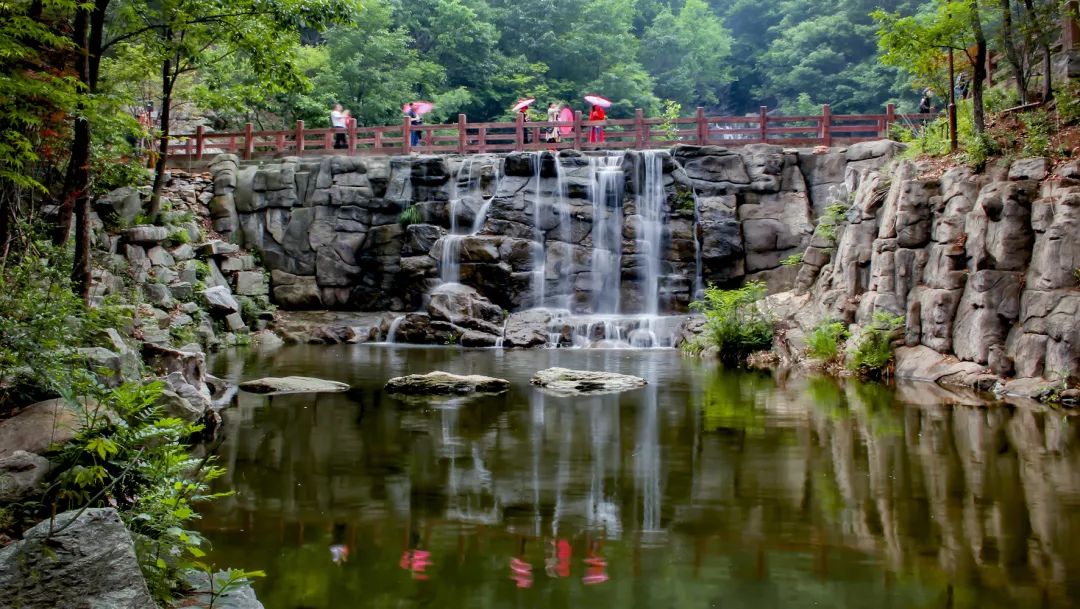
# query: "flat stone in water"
[[564, 381], [293, 384], [444, 383]]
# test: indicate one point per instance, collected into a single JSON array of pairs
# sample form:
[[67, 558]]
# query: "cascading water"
[[539, 279], [607, 232], [450, 260], [650, 208]]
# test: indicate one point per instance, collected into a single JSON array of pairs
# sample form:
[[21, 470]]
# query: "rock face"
[[38, 427], [86, 563], [563, 381], [292, 384], [328, 229], [21, 476], [982, 267], [444, 383]]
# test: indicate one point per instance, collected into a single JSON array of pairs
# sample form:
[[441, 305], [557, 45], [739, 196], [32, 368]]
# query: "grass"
[[826, 339], [734, 323], [872, 355]]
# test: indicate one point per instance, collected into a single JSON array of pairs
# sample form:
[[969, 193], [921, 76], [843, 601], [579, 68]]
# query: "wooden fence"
[[636, 133]]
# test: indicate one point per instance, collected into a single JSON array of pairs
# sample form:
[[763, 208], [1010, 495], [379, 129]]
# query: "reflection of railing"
[[636, 133]]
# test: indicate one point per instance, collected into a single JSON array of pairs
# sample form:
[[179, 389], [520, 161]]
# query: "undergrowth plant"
[[826, 339], [411, 215], [734, 322], [872, 354]]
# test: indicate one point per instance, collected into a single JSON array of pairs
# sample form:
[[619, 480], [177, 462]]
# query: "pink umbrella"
[[596, 100], [422, 107], [523, 103], [566, 115]]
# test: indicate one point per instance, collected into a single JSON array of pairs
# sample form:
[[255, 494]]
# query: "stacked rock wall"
[[328, 229], [984, 268]]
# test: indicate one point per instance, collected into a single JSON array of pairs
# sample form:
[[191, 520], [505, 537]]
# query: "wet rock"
[[455, 303], [527, 329], [292, 384], [444, 383], [21, 476], [82, 559], [563, 381]]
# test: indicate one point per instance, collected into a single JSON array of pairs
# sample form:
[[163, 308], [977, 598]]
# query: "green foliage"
[[130, 456], [829, 225], [411, 215], [684, 199], [793, 260], [1068, 102], [872, 354], [917, 44], [734, 323], [1037, 131], [826, 339], [222, 582], [671, 111], [687, 53]]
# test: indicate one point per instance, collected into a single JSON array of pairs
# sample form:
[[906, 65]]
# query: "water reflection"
[[705, 489]]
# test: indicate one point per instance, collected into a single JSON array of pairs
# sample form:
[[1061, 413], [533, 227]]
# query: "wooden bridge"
[[463, 137]]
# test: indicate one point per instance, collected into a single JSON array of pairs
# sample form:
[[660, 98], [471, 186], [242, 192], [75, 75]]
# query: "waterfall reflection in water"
[[705, 487]]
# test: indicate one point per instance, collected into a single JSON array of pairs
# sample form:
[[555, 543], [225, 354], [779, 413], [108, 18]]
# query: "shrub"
[[1037, 131], [793, 260], [825, 340], [733, 321], [873, 352], [1068, 102], [411, 215]]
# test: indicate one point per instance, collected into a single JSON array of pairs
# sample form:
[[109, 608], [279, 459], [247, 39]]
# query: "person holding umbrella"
[[596, 133], [522, 106], [553, 117]]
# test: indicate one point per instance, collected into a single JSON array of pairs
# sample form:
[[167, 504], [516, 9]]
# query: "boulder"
[[527, 329], [563, 381], [147, 234], [295, 291], [39, 426], [119, 207], [292, 384], [21, 476], [454, 302], [444, 383], [221, 300], [82, 559], [236, 596]]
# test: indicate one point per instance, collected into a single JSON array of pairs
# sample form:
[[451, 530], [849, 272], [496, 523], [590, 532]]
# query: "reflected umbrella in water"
[[595, 566], [520, 570]]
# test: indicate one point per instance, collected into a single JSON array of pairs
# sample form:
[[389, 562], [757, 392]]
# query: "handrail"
[[464, 137]]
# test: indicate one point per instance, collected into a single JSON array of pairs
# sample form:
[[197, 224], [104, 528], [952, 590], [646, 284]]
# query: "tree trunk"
[[163, 145], [979, 69], [1015, 60], [77, 177]]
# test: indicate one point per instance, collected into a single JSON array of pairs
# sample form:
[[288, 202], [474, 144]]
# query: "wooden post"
[[763, 121], [280, 142], [953, 141], [378, 140], [826, 125], [461, 129], [328, 140], [890, 117], [639, 129], [702, 127], [199, 133], [298, 145], [406, 136], [352, 136], [481, 137], [519, 132], [577, 130], [188, 152], [249, 141], [232, 144]]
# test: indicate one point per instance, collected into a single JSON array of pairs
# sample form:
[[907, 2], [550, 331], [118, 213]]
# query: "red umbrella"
[[566, 115], [422, 107], [596, 100], [523, 103]]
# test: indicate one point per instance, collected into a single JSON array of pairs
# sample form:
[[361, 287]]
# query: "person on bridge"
[[339, 120], [596, 133], [414, 119], [553, 117]]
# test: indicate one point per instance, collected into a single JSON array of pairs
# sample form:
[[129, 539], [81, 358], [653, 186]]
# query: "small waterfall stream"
[[607, 231], [450, 260]]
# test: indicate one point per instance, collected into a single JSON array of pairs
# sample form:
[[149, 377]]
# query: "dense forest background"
[[478, 56]]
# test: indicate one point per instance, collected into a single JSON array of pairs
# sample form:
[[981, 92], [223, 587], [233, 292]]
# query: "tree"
[[688, 55]]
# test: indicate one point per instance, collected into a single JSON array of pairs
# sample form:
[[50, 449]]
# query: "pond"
[[708, 488]]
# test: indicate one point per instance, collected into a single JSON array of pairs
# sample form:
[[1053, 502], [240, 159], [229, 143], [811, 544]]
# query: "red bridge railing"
[[636, 133]]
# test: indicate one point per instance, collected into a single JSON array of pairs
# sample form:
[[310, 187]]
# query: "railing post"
[[702, 127], [577, 130], [249, 141], [639, 129], [763, 121], [519, 132], [188, 148], [826, 125], [461, 133], [328, 140], [199, 133], [280, 141], [953, 142], [481, 137], [378, 145], [298, 145], [890, 117], [352, 136], [406, 136]]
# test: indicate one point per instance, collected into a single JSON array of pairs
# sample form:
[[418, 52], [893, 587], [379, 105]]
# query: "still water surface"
[[707, 489]]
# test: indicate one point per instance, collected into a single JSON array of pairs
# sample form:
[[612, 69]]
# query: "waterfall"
[[391, 333], [563, 207], [698, 288], [651, 201], [607, 231], [450, 260], [539, 279]]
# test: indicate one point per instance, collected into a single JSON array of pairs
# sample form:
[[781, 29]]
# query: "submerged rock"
[[88, 560], [444, 383], [563, 381], [293, 384]]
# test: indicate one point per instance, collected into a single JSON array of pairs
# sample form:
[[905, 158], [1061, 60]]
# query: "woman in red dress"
[[596, 133]]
